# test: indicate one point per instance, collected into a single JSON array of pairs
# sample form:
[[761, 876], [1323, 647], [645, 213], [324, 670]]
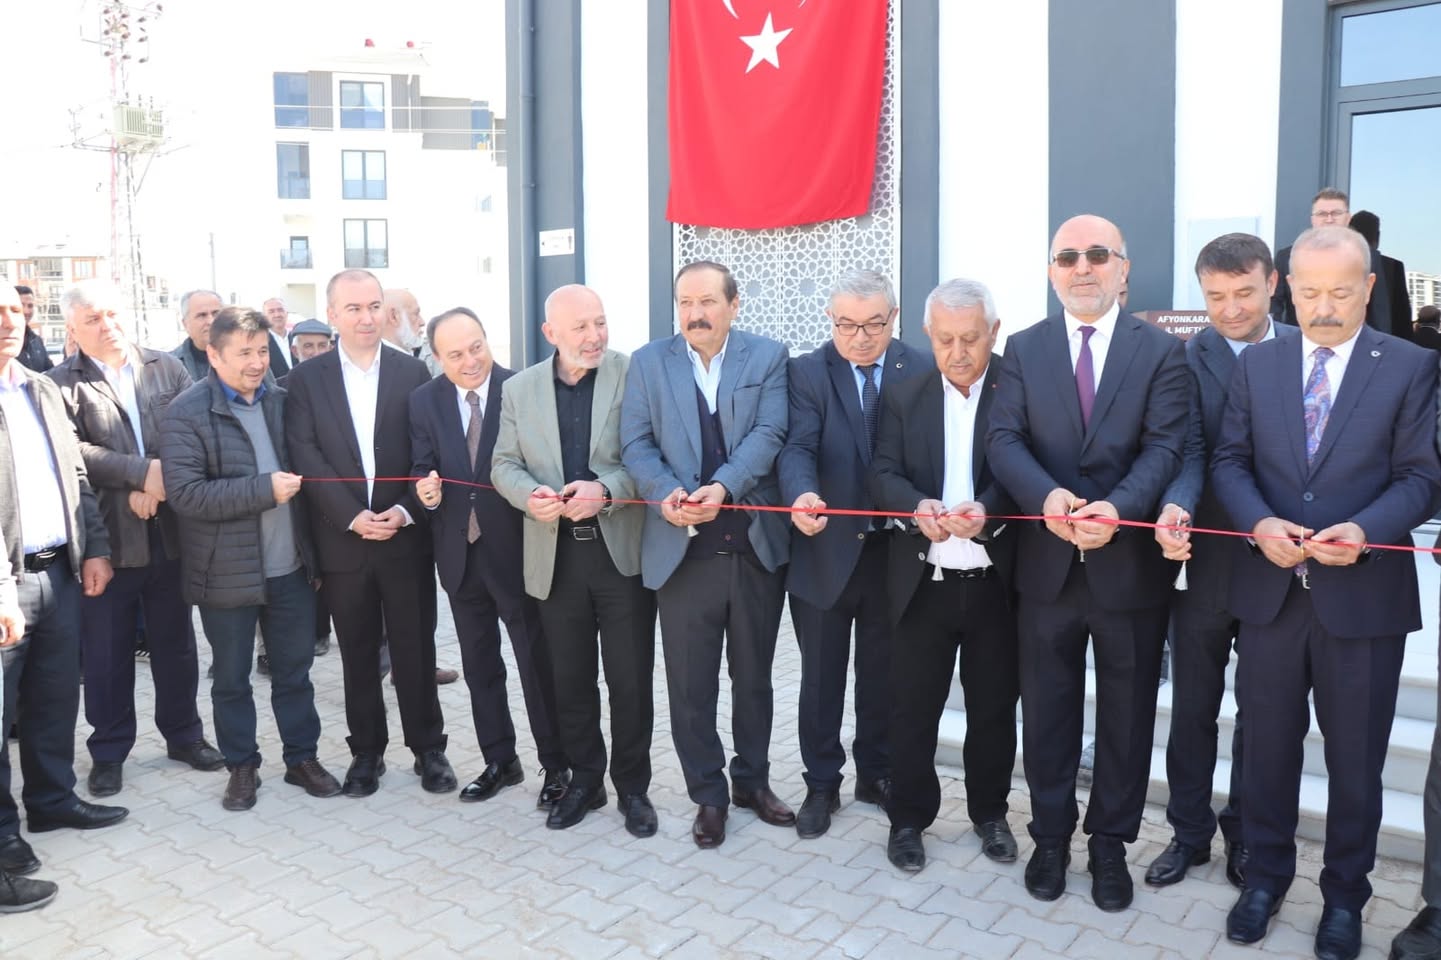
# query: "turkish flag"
[[774, 110]]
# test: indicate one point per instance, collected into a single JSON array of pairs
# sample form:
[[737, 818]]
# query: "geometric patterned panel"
[[785, 273]]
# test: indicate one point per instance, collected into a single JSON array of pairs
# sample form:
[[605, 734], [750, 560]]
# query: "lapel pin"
[[1375, 353]]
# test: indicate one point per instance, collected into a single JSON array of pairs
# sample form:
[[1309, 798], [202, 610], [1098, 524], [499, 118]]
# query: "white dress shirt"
[[953, 553], [482, 391], [708, 378], [1335, 367], [1238, 345], [362, 395], [37, 481], [122, 381], [1100, 340]]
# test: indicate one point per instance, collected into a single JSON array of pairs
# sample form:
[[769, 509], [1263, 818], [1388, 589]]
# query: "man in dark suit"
[[116, 394], [1236, 277], [1368, 225], [1087, 428], [838, 564], [454, 420], [59, 550], [349, 417], [197, 310], [703, 418], [33, 354], [1428, 327], [1328, 439], [950, 578], [1332, 207]]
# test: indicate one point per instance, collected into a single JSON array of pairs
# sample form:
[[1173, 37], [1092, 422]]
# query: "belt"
[[971, 573], [588, 531], [40, 560]]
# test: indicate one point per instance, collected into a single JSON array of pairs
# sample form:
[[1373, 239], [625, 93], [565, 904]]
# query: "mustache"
[[1326, 322], [698, 325]]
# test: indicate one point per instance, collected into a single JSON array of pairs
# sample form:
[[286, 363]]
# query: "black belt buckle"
[[972, 573], [588, 532], [41, 560]]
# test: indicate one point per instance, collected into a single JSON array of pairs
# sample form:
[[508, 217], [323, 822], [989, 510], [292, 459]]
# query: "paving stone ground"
[[407, 874]]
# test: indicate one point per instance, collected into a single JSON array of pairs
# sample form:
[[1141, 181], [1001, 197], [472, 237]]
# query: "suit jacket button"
[[1308, 496], [860, 536], [920, 556], [472, 495]]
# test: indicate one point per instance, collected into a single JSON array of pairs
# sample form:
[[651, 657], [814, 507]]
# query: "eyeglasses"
[[872, 329], [1095, 256], [1328, 214]]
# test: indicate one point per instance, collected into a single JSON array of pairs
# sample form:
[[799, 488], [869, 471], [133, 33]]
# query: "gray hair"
[[862, 284], [960, 294], [1332, 238], [88, 293], [186, 298]]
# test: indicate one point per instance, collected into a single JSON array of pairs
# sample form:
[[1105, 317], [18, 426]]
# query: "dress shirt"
[[122, 381], [708, 378], [362, 394], [1100, 340], [573, 404], [861, 378], [954, 553], [1335, 367], [1238, 345], [482, 391], [37, 481]]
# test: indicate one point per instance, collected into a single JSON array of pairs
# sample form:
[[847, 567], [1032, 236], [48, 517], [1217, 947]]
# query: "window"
[[292, 171], [366, 244], [297, 255], [362, 105], [1389, 45], [362, 174], [486, 204], [27, 271], [292, 100], [82, 269]]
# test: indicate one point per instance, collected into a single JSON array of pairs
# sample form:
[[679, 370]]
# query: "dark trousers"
[[588, 594], [1127, 649], [287, 619], [824, 638], [107, 630], [714, 603], [485, 597], [946, 617], [1431, 816], [1201, 639], [42, 689], [1353, 683]]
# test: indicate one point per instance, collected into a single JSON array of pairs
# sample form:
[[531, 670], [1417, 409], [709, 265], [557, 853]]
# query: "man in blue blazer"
[[454, 423], [703, 418], [1236, 277], [838, 564], [1328, 444], [1087, 427]]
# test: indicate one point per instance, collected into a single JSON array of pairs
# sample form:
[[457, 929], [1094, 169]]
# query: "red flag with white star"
[[775, 107]]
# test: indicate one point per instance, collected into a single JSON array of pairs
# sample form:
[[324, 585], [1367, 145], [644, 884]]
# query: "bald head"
[[1088, 266], [575, 325]]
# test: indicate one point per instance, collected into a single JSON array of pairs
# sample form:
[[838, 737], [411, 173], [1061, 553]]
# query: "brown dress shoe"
[[766, 805], [444, 676], [317, 781], [240, 791], [709, 829]]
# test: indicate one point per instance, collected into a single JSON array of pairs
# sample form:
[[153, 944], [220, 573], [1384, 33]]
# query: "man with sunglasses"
[[1087, 429], [1331, 207], [838, 565]]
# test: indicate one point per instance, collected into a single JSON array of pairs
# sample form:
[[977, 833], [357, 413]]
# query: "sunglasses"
[[1095, 256]]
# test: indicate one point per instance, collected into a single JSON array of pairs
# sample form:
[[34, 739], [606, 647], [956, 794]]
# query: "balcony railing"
[[295, 260]]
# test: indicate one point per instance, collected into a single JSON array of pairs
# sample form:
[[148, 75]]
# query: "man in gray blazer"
[[704, 416], [558, 459]]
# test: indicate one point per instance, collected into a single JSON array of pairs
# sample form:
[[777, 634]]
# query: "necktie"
[[472, 444], [1086, 375], [870, 404], [1317, 401]]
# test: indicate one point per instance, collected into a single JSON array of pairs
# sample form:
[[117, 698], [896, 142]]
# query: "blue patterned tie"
[[870, 403], [1317, 401]]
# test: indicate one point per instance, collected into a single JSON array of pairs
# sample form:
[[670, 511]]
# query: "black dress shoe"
[[434, 771], [577, 802], [491, 779], [552, 787], [77, 815], [905, 849], [997, 841], [16, 857], [1249, 918], [1171, 866], [1111, 886], [1236, 864], [105, 778], [1046, 870], [363, 777], [199, 755], [709, 829], [814, 817], [18, 894], [1421, 940], [877, 791], [1338, 934], [240, 790], [640, 819], [766, 805]]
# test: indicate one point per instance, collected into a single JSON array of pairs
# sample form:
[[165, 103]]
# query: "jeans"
[[288, 621]]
